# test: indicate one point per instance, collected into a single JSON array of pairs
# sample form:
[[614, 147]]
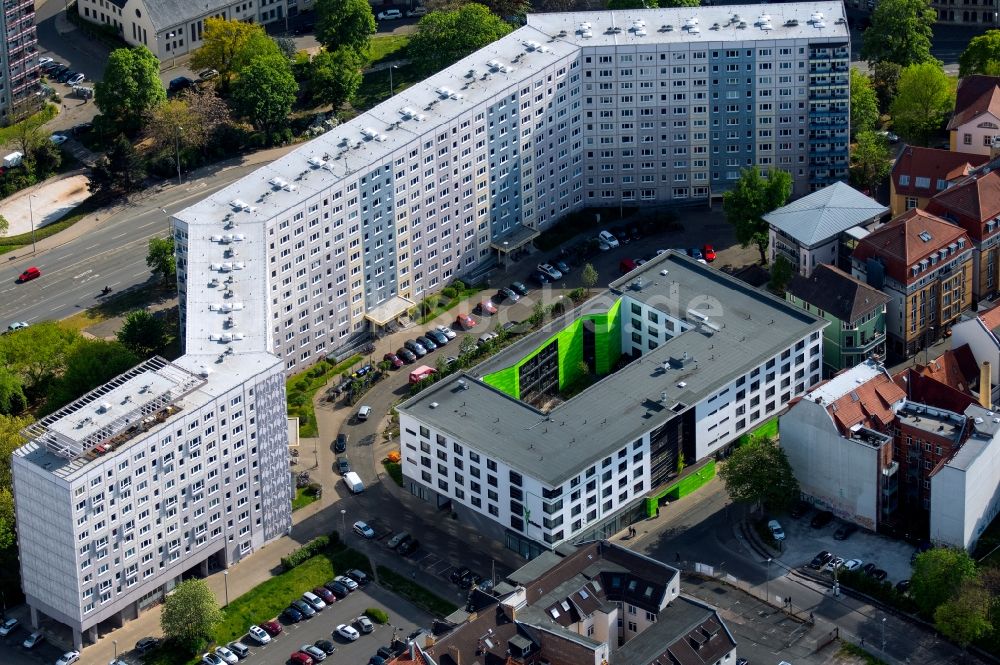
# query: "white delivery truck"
[[353, 482]]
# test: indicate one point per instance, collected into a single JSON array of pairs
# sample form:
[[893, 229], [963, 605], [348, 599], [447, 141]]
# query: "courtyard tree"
[[90, 363], [759, 473], [142, 333], [781, 274], [347, 23], [924, 99], [965, 617], [190, 614], [130, 88], [187, 121], [864, 103], [161, 260], [937, 574], [265, 92], [871, 160], [444, 37], [885, 79], [12, 398], [119, 172], [334, 76], [750, 199], [228, 46], [981, 56], [589, 276], [900, 32]]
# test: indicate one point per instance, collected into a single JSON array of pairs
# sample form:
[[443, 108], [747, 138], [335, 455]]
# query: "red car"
[[487, 307], [464, 321], [708, 252], [394, 359], [300, 658], [271, 627], [325, 594], [29, 274]]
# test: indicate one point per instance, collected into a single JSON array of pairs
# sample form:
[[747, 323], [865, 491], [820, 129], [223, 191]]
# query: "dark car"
[[562, 267], [292, 615], [821, 560], [305, 608], [879, 574], [428, 344], [408, 546], [393, 360], [437, 336], [146, 644], [506, 294], [799, 509], [56, 71], [418, 349], [406, 356], [326, 646], [340, 445], [339, 590], [179, 83], [540, 278], [868, 568], [902, 586], [384, 652], [343, 466], [845, 531], [377, 660], [457, 575], [519, 288], [358, 576], [51, 66], [695, 253], [821, 519]]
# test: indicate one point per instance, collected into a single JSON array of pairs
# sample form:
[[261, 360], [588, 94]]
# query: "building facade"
[[19, 71], [701, 359], [369, 218], [975, 123], [919, 174]]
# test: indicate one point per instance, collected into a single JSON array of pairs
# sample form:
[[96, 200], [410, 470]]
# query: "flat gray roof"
[[744, 327]]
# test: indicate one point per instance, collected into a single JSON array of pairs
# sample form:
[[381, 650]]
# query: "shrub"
[[377, 615], [459, 285], [448, 292], [307, 551]]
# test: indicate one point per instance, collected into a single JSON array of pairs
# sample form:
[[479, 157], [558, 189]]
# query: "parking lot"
[[12, 653]]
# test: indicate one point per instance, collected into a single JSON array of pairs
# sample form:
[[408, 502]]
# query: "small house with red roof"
[[920, 173], [976, 119]]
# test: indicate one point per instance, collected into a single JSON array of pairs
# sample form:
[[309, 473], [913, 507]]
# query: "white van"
[[353, 482]]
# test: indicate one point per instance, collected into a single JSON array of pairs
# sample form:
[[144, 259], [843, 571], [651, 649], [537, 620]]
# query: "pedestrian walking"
[[677, 557]]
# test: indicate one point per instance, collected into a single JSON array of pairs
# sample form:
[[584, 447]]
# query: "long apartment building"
[[688, 360], [18, 61], [572, 110]]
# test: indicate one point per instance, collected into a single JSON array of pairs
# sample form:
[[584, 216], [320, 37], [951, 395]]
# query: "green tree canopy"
[[965, 617], [759, 472], [130, 88], [38, 356], [589, 276], [265, 92], [937, 574], [871, 160], [632, 4], [900, 32], [347, 23], [119, 172], [12, 398], [750, 199], [161, 260], [507, 9], [864, 103], [981, 56], [444, 37], [89, 364], [190, 614], [885, 79], [229, 46], [781, 274], [186, 121], [666, 4], [924, 100], [142, 333], [334, 76], [10, 440]]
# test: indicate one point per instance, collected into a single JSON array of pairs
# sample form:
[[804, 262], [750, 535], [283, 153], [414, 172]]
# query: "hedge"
[[377, 615], [309, 550]]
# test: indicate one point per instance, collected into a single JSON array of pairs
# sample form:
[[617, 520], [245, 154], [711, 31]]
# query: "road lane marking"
[[82, 274]]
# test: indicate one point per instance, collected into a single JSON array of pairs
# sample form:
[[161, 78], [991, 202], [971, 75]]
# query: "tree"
[[589, 276], [334, 76], [885, 79], [864, 103], [4, 225], [937, 574], [187, 121], [130, 87], [900, 32], [10, 440], [120, 171], [781, 274], [161, 260], [632, 4], [286, 45], [36, 358], [965, 617], [444, 37], [508, 9], [467, 345], [759, 472], [27, 136], [347, 23], [753, 197], [190, 614], [229, 46], [924, 99], [142, 333], [89, 364], [871, 160], [265, 92], [666, 4], [981, 56], [12, 398]]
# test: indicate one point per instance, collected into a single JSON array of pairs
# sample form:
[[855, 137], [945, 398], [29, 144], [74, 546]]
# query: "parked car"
[[708, 252], [406, 356], [384, 652], [487, 307], [903, 586], [427, 343], [377, 660], [365, 624], [549, 271], [417, 348], [606, 238], [398, 538], [340, 445], [33, 640], [327, 646], [437, 336], [66, 75], [347, 632], [292, 615], [465, 322], [7, 626], [58, 139], [844, 531], [346, 581], [834, 564], [179, 83], [314, 652], [868, 568], [75, 79], [313, 601], [241, 650], [393, 360], [562, 267], [299, 658], [389, 15], [211, 659], [540, 278], [364, 413], [358, 576], [271, 627], [879, 574], [44, 61], [259, 635], [799, 509], [416, 11], [820, 560], [519, 288], [363, 530], [457, 575], [821, 519], [890, 137], [853, 564], [226, 655], [343, 466], [339, 589], [506, 294], [69, 658], [694, 253], [325, 594], [470, 580], [487, 338], [776, 531], [208, 74], [408, 547], [446, 331]]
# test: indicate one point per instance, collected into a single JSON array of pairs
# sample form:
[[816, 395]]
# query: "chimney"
[[986, 386]]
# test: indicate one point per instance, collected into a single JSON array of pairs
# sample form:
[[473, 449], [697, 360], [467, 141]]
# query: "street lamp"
[[225, 576], [31, 216], [177, 148], [343, 521], [883, 635], [115, 644], [392, 89], [767, 582]]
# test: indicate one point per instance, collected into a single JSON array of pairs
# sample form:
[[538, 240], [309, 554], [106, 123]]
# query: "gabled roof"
[[991, 318], [868, 405], [955, 368], [165, 14], [970, 201], [824, 214], [976, 95], [838, 293], [907, 240], [938, 166]]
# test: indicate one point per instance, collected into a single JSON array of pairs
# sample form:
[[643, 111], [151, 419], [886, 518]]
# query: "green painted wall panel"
[[505, 380], [681, 488], [570, 353]]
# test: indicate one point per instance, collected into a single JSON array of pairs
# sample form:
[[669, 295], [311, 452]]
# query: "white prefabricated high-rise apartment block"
[[570, 111]]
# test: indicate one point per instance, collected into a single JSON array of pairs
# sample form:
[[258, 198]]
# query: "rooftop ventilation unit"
[[742, 24], [766, 26], [639, 28], [370, 134], [239, 204], [233, 237], [791, 23], [816, 16], [841, 21], [691, 23], [316, 162], [819, 24], [715, 26], [278, 182], [694, 31], [615, 30], [448, 93], [667, 28]]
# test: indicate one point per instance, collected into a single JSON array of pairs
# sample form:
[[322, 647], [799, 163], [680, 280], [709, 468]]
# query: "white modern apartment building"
[[18, 61], [711, 358], [572, 110]]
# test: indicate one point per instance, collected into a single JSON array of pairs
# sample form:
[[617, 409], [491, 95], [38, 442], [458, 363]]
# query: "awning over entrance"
[[389, 311], [516, 240]]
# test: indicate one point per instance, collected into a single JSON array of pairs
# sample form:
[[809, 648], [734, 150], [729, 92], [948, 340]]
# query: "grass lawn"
[[8, 133], [303, 497], [119, 304], [10, 243], [395, 471], [387, 46], [444, 304], [415, 593], [374, 87], [307, 383]]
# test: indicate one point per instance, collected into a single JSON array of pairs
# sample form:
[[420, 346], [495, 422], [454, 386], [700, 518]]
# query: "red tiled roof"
[[991, 317], [933, 164], [901, 243], [975, 95], [955, 368], [869, 405], [925, 390], [970, 202]]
